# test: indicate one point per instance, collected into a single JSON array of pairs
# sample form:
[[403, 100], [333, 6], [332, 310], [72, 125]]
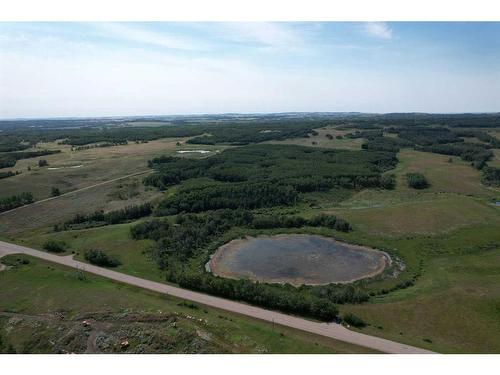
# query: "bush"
[[491, 176], [54, 246], [55, 192], [388, 181], [99, 258], [354, 320], [417, 180]]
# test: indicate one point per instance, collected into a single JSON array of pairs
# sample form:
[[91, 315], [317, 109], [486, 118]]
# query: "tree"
[[416, 180]]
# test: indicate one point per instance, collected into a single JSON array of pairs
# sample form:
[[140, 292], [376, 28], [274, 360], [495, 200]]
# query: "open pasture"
[[72, 170], [42, 216]]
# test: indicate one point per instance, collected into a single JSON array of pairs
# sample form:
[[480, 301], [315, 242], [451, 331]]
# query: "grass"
[[41, 288], [447, 236], [41, 217], [428, 214], [322, 141], [455, 305], [444, 176], [114, 240], [97, 165]]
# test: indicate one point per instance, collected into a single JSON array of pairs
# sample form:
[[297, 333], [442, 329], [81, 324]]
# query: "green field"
[[321, 140], [454, 308], [72, 170], [42, 307], [444, 297]]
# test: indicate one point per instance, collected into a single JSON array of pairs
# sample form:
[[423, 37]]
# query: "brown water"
[[297, 259]]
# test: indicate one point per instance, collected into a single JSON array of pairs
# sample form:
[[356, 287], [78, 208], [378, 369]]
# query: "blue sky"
[[106, 69]]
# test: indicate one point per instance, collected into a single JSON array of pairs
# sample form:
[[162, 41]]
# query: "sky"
[[125, 69]]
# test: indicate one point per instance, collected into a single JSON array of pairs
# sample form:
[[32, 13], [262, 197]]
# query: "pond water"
[[297, 259]]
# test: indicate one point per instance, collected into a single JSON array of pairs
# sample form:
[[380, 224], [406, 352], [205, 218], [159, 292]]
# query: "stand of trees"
[[99, 218], [14, 201], [187, 238], [491, 176], [265, 176]]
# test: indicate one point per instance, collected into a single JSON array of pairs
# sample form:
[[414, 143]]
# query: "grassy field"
[[454, 308], [321, 140], [40, 218], [98, 165], [114, 240], [447, 236], [455, 199], [42, 307], [71, 170], [456, 176]]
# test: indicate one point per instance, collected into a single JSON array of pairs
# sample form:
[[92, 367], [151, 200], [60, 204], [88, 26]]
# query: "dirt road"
[[77, 190], [331, 330]]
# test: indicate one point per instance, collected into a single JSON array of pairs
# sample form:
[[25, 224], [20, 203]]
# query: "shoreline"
[[214, 264]]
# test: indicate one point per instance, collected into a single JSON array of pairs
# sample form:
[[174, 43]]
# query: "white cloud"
[[378, 29], [267, 34], [141, 35]]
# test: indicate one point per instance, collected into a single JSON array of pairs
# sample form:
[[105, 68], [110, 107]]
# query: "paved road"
[[77, 190], [332, 330]]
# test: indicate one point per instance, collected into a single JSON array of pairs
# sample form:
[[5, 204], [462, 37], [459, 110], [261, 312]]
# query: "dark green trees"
[[416, 180]]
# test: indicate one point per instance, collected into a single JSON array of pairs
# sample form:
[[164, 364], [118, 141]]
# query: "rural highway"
[[332, 330], [77, 190]]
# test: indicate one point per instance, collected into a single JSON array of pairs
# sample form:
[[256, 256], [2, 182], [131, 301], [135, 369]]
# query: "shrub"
[[354, 320], [99, 258], [491, 176], [54, 246], [417, 180], [388, 181], [55, 192]]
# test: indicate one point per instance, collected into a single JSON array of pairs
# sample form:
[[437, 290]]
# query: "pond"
[[297, 259]]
